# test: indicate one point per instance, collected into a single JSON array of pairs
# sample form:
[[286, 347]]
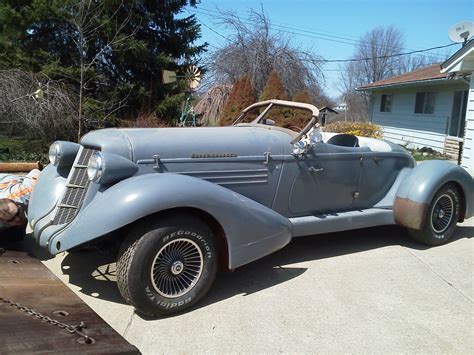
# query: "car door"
[[379, 171], [326, 180]]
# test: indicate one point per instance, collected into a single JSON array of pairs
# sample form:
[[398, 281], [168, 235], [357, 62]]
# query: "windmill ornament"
[[192, 76]]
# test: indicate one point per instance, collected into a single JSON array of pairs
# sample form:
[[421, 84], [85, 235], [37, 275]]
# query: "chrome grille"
[[76, 188]]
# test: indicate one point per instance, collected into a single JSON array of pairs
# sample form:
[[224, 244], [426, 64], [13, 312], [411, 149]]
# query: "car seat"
[[344, 140]]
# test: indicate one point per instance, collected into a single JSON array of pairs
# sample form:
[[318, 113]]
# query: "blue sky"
[[424, 24]]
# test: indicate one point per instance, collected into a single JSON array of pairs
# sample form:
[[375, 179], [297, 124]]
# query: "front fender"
[[252, 230], [46, 193], [418, 188]]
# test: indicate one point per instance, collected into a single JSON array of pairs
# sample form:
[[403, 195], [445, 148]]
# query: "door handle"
[[315, 170]]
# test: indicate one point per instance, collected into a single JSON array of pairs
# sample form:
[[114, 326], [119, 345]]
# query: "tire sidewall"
[[440, 238], [141, 286]]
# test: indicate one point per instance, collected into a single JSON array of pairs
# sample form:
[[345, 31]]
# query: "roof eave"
[[407, 83], [451, 61]]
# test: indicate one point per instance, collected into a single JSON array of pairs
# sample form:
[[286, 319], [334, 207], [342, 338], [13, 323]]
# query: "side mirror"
[[268, 122]]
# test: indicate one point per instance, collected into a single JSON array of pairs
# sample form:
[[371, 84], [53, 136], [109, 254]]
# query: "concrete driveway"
[[371, 290]]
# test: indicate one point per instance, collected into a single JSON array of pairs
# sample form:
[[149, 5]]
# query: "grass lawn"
[[19, 149]]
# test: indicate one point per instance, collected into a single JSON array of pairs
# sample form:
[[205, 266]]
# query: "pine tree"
[[274, 90], [301, 117], [240, 97], [43, 36]]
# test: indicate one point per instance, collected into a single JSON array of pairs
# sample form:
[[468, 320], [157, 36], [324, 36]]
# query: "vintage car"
[[184, 202]]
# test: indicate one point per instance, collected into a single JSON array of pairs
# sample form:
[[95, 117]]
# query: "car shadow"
[[93, 271]]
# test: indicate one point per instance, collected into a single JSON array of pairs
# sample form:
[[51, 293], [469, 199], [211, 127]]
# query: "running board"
[[336, 222]]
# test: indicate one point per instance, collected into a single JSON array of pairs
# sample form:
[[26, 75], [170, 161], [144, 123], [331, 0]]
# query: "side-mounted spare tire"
[[165, 266], [441, 217]]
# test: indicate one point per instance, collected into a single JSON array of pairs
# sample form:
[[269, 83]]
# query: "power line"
[[309, 34], [346, 60], [382, 56], [304, 29]]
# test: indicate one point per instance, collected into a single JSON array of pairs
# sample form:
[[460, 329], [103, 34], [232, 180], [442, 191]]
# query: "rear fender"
[[251, 229], [416, 191]]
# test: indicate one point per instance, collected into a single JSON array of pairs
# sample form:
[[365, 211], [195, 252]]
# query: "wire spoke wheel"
[[442, 213], [177, 268]]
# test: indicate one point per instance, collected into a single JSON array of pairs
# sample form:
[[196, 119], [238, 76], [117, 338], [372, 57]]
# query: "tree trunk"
[[81, 94]]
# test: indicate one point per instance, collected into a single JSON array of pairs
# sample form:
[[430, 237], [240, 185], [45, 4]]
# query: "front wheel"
[[165, 267], [442, 217]]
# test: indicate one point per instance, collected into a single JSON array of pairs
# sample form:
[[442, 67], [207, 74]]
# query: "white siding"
[[403, 126], [414, 138], [468, 151]]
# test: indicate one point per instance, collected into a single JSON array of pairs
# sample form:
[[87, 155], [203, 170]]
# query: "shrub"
[[274, 90], [300, 118], [14, 149], [145, 120], [363, 129], [240, 97], [41, 107]]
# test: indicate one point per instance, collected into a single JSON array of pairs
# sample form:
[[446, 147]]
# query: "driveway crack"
[[449, 283], [130, 321]]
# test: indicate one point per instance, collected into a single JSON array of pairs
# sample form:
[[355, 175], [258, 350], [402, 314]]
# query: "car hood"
[[144, 143]]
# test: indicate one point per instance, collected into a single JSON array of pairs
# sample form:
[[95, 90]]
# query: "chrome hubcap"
[[177, 268], [442, 213]]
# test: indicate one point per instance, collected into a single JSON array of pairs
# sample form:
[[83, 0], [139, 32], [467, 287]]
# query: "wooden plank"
[[27, 281]]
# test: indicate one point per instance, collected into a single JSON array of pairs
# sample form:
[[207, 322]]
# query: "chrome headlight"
[[62, 153], [54, 153], [108, 168], [95, 167]]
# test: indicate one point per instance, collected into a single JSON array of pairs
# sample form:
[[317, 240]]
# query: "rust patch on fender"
[[409, 213]]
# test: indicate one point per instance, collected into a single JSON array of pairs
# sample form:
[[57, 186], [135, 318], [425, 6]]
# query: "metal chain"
[[73, 329]]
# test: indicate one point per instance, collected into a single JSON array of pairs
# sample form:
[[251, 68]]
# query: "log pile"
[[209, 109]]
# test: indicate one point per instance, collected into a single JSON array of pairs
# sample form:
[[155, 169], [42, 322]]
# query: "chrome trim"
[[222, 171], [242, 182], [69, 177], [63, 205]]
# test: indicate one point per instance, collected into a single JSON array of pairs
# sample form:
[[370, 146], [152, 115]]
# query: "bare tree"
[[41, 107], [376, 57], [255, 50], [84, 16]]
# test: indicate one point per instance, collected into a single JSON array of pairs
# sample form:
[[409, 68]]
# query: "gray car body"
[[247, 180]]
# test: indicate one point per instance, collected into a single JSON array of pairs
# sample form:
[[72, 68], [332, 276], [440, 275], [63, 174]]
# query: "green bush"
[[14, 149], [362, 129]]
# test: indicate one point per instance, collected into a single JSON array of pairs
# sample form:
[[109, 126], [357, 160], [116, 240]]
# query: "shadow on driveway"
[[94, 271]]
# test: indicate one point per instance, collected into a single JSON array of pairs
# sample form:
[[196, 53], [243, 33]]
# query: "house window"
[[425, 102], [386, 103]]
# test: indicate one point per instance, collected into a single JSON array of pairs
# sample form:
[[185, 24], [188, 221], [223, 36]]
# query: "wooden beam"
[[20, 166]]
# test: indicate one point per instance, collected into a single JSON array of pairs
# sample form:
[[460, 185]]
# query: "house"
[[429, 107]]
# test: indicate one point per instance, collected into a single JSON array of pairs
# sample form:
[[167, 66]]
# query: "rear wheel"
[[441, 218], [165, 267]]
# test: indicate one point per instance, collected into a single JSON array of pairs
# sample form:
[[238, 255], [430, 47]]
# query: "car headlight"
[[54, 153], [107, 168], [62, 154], [95, 167]]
